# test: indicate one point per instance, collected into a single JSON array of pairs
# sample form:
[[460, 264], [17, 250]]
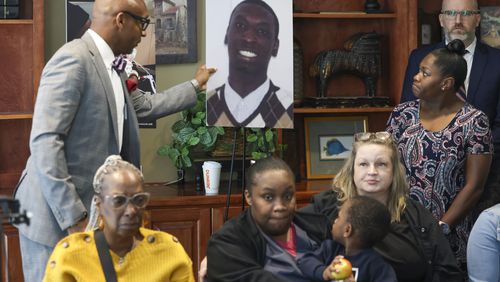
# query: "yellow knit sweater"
[[158, 257]]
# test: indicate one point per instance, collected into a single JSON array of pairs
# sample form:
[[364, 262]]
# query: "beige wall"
[[156, 168]]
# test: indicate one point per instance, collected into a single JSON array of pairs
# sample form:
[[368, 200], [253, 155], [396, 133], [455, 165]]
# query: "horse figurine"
[[361, 57]]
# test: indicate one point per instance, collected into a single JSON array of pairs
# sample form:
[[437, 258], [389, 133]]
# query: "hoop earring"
[[101, 223]]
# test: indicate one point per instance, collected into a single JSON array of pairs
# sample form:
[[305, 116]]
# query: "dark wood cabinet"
[[190, 225]]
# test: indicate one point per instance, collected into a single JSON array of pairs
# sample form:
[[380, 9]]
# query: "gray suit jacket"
[[74, 130]]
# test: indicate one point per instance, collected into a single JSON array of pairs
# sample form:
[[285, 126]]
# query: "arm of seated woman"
[[476, 173]]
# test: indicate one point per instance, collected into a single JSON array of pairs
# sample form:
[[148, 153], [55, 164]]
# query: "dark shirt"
[[367, 265]]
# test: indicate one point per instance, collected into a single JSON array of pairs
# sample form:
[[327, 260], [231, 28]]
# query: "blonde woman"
[[415, 246]]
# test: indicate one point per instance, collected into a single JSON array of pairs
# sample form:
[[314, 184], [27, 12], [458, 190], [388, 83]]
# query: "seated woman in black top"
[[415, 246], [262, 243]]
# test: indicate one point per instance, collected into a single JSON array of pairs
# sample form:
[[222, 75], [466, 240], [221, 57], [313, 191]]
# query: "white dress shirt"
[[108, 57], [241, 108]]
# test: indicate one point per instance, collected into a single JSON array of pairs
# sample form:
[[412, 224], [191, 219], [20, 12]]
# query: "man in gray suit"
[[83, 113]]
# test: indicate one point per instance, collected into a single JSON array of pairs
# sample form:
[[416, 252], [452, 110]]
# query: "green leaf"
[[252, 138], [201, 130], [200, 115], [193, 141], [184, 134], [269, 135], [219, 129], [186, 161], [163, 150], [173, 154], [196, 121], [184, 151], [205, 138], [178, 125]]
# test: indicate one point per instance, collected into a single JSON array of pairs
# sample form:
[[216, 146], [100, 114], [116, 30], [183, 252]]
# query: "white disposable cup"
[[211, 177]]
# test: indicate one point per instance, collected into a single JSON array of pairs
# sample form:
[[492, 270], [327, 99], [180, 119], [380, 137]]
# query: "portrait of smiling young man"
[[249, 91]]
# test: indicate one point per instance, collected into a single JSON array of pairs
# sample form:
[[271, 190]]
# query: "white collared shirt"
[[108, 57], [242, 108], [469, 57]]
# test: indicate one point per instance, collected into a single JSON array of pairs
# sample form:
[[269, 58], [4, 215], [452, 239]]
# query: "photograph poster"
[[251, 45]]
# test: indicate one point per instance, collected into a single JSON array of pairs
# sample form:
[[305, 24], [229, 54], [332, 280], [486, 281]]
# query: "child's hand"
[[327, 274], [339, 269]]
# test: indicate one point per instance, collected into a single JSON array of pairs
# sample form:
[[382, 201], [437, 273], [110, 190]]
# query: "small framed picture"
[[329, 142], [490, 25]]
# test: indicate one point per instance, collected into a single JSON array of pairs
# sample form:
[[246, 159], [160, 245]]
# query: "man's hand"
[[79, 227], [203, 74]]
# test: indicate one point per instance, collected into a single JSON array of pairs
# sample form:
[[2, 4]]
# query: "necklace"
[[121, 259]]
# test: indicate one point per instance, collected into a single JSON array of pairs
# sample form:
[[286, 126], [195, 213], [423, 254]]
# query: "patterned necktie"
[[119, 64]]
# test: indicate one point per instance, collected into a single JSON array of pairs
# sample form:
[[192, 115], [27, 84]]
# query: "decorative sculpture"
[[361, 57], [372, 6]]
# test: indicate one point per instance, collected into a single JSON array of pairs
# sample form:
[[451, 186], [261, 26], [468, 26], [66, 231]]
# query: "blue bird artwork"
[[334, 147]]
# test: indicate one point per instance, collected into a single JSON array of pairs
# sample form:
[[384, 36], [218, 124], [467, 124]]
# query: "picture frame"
[[490, 25], [329, 142], [176, 36]]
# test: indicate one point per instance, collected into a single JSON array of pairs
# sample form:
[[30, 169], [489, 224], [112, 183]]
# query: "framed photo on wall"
[[329, 142], [490, 25], [176, 41]]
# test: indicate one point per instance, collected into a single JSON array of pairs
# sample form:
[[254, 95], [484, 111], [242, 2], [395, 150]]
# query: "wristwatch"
[[444, 227], [195, 84]]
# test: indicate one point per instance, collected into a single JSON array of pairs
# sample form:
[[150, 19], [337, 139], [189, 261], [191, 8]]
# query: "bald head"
[[104, 10], [116, 22], [469, 3]]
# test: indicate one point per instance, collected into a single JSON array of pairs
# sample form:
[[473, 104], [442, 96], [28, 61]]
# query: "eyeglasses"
[[465, 13], [365, 136], [139, 200], [143, 21]]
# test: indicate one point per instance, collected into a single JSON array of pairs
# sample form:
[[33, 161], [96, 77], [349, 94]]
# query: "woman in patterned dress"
[[445, 144]]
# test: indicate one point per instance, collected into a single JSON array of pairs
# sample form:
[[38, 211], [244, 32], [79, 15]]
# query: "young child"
[[362, 222]]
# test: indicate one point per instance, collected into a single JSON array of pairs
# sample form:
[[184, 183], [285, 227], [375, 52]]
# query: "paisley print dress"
[[435, 160]]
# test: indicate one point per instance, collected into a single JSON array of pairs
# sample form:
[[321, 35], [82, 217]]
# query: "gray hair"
[[113, 164]]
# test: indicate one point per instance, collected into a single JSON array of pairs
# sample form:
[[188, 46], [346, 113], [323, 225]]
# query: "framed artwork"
[[490, 25], [329, 142], [176, 41]]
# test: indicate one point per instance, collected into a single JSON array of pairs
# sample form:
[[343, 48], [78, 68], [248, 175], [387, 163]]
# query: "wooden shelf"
[[16, 21], [341, 110], [344, 15], [8, 116]]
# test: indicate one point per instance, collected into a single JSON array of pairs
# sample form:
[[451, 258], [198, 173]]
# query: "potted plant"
[[188, 133]]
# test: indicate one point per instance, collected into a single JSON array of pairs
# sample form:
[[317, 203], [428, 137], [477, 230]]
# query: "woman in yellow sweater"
[[135, 253]]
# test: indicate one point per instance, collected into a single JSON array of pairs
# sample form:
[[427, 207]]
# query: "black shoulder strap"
[[104, 256]]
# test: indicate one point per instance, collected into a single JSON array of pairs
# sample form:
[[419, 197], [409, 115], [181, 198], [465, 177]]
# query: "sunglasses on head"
[[142, 20], [365, 136], [119, 201]]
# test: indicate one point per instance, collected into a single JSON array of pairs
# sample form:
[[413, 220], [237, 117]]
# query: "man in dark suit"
[[84, 113], [459, 20]]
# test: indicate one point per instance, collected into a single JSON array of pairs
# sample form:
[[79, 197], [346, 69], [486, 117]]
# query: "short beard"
[[466, 38]]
